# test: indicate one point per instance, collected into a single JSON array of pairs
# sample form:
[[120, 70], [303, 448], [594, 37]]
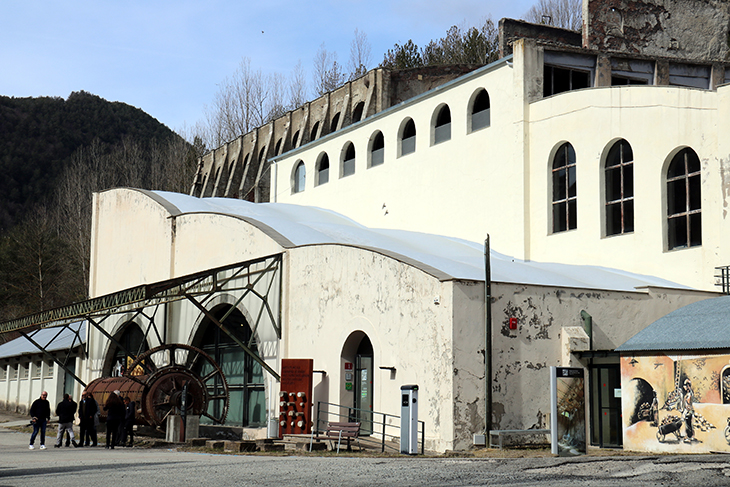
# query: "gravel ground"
[[168, 466]]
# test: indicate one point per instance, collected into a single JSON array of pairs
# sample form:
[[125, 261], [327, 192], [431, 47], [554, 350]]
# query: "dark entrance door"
[[364, 386], [606, 428]]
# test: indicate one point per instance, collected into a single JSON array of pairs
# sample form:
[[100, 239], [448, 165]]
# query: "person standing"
[[127, 428], [114, 408], [87, 410], [40, 411], [65, 411]]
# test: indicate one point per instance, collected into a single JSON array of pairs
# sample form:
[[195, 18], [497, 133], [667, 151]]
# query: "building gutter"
[[488, 338]]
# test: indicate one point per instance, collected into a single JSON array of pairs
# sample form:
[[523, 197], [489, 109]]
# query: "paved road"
[[148, 467]]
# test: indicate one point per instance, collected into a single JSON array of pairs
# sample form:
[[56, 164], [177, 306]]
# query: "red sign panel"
[[295, 398]]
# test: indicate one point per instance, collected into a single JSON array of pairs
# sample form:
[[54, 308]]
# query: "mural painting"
[[676, 403]]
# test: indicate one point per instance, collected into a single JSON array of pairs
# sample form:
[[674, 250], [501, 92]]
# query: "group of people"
[[121, 415]]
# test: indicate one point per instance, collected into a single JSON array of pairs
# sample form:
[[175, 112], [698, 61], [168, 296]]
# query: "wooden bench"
[[500, 434], [348, 431]]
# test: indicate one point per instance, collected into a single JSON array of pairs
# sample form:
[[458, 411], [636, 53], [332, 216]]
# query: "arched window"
[[262, 155], [377, 149], [244, 375], [277, 147], [133, 340], [565, 201], [348, 159], [335, 121], [407, 139], [619, 175], [300, 175], [442, 125], [295, 139], [323, 169], [315, 129], [357, 112], [684, 209], [480, 113]]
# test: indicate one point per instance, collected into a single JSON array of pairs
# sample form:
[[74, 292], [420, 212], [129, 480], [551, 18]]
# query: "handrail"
[[351, 415]]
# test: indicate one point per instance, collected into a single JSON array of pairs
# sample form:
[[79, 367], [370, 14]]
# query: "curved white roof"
[[446, 258]]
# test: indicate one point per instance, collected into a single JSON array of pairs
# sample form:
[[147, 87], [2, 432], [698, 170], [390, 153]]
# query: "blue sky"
[[168, 57]]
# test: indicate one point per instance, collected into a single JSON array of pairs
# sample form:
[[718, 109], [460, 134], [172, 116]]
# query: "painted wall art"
[[676, 403]]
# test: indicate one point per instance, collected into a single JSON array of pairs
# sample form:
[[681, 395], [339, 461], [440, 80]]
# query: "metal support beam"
[[47, 354], [245, 348]]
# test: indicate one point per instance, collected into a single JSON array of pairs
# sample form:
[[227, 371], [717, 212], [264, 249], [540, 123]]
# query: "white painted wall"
[[497, 180]]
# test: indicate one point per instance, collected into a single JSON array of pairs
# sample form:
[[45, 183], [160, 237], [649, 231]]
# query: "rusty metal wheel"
[[166, 370]]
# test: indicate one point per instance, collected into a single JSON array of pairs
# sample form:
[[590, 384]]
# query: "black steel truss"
[[198, 288]]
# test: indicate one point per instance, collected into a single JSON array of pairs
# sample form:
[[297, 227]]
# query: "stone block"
[[215, 444]]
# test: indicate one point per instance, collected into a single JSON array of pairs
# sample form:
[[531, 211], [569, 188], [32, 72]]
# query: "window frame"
[[471, 113], [295, 177], [691, 215], [405, 124], [440, 130], [373, 161], [319, 171], [625, 200], [564, 151]]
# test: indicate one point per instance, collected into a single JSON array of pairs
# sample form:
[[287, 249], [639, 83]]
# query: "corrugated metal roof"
[[441, 256], [703, 325], [45, 337]]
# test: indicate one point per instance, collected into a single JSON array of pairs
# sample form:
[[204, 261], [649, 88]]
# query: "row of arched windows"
[[478, 118], [683, 194]]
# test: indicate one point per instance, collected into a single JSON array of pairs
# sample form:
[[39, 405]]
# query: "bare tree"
[[328, 73], [298, 86], [360, 55], [567, 14]]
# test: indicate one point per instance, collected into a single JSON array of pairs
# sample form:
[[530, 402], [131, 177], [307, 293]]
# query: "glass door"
[[606, 427]]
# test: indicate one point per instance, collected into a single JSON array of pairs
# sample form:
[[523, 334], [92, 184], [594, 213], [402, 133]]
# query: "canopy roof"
[[52, 339], [703, 325], [444, 257]]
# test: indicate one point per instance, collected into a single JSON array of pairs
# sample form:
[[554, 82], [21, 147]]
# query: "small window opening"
[[335, 121], [408, 141], [348, 162], [323, 170], [315, 129], [377, 151], [480, 111], [442, 131], [357, 112], [299, 178], [557, 80]]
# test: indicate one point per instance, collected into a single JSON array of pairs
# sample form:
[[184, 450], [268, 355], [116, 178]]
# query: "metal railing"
[[723, 278], [384, 430]]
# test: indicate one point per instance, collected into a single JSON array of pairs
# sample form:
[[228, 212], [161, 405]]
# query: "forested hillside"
[[39, 135], [54, 154]]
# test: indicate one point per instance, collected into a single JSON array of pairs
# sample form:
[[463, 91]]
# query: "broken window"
[[480, 111], [408, 137], [377, 149], [357, 112], [565, 199], [299, 178], [619, 175], [348, 160], [631, 72], [277, 148], [684, 216], [442, 125], [692, 76], [335, 121], [323, 169], [295, 139], [566, 72], [313, 135]]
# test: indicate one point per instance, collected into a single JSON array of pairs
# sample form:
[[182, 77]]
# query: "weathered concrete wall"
[[510, 30], [240, 168], [685, 29]]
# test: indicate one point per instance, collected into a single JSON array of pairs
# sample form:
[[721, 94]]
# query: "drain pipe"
[[588, 327], [488, 338]]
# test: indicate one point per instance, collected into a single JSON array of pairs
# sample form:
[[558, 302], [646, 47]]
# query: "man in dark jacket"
[[127, 427], [40, 411], [65, 411], [87, 412]]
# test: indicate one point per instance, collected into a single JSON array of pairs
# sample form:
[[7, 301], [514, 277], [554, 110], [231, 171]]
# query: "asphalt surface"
[[20, 466]]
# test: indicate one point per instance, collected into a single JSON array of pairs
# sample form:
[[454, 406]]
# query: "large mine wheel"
[[165, 371]]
